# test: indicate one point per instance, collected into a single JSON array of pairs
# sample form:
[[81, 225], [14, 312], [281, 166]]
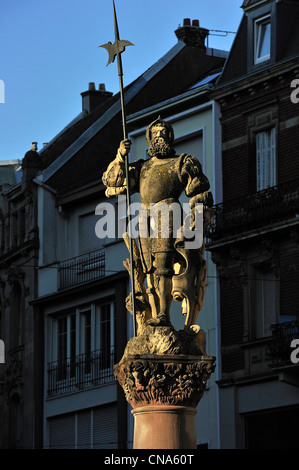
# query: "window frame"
[[251, 325], [262, 120], [257, 32], [273, 159], [264, 277], [79, 357], [95, 309], [254, 16]]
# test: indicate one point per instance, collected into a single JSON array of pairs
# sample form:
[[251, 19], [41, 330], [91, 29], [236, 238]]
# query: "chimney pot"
[[92, 98], [192, 35]]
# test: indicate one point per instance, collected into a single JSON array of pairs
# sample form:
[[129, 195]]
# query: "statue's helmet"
[[160, 122]]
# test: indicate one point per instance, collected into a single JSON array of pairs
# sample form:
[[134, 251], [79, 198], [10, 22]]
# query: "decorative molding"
[[165, 367], [164, 380], [15, 275], [14, 373]]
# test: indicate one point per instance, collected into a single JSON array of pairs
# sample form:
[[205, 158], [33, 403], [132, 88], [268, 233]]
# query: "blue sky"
[[49, 53]]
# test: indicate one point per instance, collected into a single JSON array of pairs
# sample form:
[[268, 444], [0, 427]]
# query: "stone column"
[[163, 374]]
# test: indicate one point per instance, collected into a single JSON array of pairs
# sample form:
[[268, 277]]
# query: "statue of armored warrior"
[[171, 270]]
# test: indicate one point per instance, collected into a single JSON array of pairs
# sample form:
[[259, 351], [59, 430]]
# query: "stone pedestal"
[[163, 374]]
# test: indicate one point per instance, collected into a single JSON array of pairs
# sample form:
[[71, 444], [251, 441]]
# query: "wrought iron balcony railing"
[[81, 269], [282, 335], [80, 372], [253, 211]]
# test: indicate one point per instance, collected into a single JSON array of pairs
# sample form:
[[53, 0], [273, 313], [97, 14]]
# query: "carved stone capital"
[[164, 380], [164, 367]]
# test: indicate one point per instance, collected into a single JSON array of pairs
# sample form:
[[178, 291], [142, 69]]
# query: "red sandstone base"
[[164, 427]]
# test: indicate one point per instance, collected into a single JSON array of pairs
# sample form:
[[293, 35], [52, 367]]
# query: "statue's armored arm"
[[197, 187], [115, 175]]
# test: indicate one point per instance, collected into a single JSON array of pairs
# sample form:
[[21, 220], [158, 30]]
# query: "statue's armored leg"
[[164, 292], [152, 295], [163, 285]]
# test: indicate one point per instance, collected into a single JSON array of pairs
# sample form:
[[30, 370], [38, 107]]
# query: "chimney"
[[31, 164], [93, 98], [192, 34]]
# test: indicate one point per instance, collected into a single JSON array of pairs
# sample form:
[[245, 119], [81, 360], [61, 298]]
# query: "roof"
[[285, 18], [85, 147]]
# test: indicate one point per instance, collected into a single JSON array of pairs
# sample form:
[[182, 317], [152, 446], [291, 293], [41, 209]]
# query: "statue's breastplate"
[[159, 180]]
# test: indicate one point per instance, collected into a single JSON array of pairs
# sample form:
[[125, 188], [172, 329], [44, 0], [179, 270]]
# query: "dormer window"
[[262, 39]]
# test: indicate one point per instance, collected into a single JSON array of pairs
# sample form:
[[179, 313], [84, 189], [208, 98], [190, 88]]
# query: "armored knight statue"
[[170, 269]]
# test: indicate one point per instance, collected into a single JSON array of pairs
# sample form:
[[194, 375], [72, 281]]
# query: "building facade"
[[20, 328], [254, 239]]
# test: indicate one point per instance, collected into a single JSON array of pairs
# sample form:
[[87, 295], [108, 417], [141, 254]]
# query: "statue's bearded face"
[[160, 145]]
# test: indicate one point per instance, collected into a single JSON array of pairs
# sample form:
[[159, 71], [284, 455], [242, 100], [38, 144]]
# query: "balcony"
[[81, 372], [254, 211], [82, 269], [282, 335]]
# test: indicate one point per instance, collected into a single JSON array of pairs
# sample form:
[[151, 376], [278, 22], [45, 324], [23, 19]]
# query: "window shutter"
[[258, 161], [88, 241], [265, 302], [192, 146], [62, 432], [105, 427], [265, 159], [84, 430], [273, 180]]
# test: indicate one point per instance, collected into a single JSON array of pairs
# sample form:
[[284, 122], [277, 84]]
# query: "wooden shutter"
[[265, 159], [105, 427], [62, 432], [273, 178]]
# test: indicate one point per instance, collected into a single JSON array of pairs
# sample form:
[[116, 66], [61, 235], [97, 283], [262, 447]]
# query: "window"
[[66, 346], [82, 348], [265, 159], [265, 294], [106, 333], [191, 144], [88, 241], [262, 39], [85, 338], [94, 428]]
